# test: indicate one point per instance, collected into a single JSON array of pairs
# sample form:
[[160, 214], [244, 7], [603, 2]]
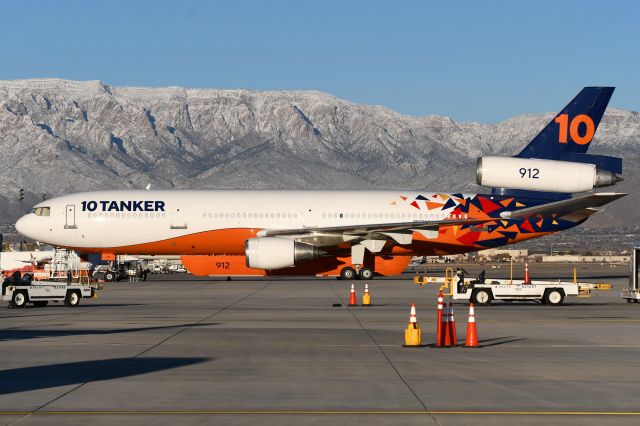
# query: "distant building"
[[587, 259], [506, 253]]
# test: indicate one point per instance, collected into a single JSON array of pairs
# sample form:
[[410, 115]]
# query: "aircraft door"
[[70, 217], [178, 220], [310, 218]]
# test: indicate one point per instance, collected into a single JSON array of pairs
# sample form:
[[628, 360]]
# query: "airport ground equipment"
[[134, 270], [482, 291], [40, 293], [632, 294]]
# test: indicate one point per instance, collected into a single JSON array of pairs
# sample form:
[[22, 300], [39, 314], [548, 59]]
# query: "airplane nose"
[[22, 226]]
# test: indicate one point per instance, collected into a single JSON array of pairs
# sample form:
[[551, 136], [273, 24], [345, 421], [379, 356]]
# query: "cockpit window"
[[41, 211]]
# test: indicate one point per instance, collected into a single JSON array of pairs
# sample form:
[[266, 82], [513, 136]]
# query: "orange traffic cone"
[[413, 334], [527, 279], [472, 333], [439, 320], [352, 297], [452, 326], [413, 318], [366, 297], [446, 331]]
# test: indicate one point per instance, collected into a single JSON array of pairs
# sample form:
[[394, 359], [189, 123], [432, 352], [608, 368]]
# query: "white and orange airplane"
[[350, 234]]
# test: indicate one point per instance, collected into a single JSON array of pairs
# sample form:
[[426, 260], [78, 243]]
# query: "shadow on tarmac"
[[502, 304], [499, 341], [22, 334], [73, 373], [496, 341]]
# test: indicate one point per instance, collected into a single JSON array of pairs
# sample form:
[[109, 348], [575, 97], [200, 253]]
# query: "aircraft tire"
[[348, 273], [366, 273]]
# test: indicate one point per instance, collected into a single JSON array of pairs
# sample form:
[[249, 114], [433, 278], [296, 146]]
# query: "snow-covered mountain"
[[59, 136]]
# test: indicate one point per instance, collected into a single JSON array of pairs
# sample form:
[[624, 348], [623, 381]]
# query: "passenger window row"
[[250, 215], [128, 215], [398, 216]]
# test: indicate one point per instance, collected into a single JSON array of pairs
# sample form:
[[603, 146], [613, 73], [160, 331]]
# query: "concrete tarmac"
[[183, 350]]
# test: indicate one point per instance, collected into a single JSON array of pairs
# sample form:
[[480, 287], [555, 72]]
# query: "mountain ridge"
[[61, 136]]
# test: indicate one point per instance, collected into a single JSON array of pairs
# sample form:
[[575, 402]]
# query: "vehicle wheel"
[[348, 273], [40, 303], [366, 273], [554, 296], [19, 299], [72, 299], [109, 276], [481, 296]]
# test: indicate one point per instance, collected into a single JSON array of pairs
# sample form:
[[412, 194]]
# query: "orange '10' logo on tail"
[[565, 129]]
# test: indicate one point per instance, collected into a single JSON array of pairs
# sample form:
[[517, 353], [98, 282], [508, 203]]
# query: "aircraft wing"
[[395, 230], [560, 208], [580, 207]]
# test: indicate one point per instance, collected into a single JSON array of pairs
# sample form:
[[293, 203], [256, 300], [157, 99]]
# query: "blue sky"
[[474, 61]]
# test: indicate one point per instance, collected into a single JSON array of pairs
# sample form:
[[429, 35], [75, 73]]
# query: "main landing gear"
[[363, 273]]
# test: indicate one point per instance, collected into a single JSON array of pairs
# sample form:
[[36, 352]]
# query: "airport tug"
[[21, 290], [481, 291]]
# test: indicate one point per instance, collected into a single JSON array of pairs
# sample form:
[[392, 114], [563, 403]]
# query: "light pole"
[[20, 198]]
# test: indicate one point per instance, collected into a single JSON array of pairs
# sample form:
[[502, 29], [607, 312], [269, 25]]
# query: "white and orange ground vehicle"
[[40, 293], [483, 291]]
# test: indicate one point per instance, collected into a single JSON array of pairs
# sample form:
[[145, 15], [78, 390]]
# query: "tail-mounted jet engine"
[[533, 174]]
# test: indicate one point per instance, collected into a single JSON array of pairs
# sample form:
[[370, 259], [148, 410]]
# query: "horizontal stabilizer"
[[564, 207]]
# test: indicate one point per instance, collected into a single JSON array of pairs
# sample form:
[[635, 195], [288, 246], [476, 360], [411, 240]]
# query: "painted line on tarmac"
[[319, 412]]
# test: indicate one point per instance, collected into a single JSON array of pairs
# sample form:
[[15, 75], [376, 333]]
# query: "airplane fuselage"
[[191, 223]]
